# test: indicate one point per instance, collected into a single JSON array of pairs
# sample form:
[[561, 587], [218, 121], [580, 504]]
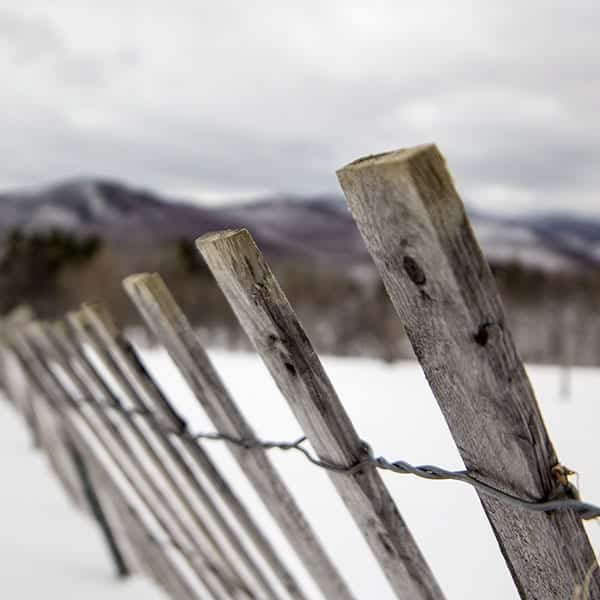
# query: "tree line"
[[554, 316]]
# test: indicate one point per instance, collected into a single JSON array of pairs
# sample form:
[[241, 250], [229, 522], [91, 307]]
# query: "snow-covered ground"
[[47, 548]]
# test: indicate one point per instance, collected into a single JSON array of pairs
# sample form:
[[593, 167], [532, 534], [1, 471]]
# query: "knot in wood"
[[482, 335], [414, 271], [564, 489]]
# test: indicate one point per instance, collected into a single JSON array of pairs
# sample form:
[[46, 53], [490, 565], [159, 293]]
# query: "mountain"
[[320, 226]]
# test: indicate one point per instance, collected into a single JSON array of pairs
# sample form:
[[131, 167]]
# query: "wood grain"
[[222, 540], [211, 577], [149, 444], [83, 433], [415, 228], [120, 358], [271, 324], [167, 321]]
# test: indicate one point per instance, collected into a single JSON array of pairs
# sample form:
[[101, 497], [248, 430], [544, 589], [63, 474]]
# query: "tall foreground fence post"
[[271, 324], [416, 230]]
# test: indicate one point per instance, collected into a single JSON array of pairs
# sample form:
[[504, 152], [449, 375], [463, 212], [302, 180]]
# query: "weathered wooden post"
[[210, 578], [50, 391], [415, 228], [124, 425], [151, 437], [17, 392], [271, 324], [97, 509], [172, 328], [95, 327]]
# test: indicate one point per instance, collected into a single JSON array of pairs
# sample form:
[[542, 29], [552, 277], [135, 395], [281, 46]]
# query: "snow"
[[507, 243], [391, 407], [51, 216], [47, 548]]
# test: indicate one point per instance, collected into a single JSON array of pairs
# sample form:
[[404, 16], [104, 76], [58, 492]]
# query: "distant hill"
[[319, 226]]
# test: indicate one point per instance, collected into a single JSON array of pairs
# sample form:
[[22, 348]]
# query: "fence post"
[[147, 553], [95, 507], [416, 230], [94, 327], [170, 325], [148, 434], [19, 394], [128, 425], [54, 398], [271, 324], [129, 467], [52, 444]]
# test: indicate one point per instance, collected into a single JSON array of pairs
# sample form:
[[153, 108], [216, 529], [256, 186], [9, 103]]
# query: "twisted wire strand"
[[583, 510]]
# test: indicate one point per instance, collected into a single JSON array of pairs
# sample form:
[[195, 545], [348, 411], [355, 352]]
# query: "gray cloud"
[[275, 97]]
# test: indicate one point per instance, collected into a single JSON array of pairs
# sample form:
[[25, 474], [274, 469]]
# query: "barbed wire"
[[567, 498]]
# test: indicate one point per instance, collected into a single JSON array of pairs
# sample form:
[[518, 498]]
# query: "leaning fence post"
[[168, 322], [271, 324], [126, 463], [415, 228], [55, 399], [96, 507], [158, 437], [124, 364]]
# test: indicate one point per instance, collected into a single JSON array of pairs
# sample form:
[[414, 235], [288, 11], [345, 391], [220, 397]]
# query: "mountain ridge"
[[318, 227]]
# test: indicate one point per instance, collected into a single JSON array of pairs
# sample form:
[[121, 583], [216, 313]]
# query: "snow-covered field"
[[48, 549]]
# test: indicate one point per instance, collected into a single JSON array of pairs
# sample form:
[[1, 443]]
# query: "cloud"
[[275, 96]]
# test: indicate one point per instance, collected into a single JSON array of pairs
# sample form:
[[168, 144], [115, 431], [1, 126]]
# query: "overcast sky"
[[203, 99]]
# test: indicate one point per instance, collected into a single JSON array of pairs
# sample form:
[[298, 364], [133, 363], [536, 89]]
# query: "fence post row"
[[271, 324], [81, 433], [177, 478], [94, 325], [96, 508], [125, 454], [189, 481], [205, 554], [172, 329], [17, 392], [415, 228], [211, 577]]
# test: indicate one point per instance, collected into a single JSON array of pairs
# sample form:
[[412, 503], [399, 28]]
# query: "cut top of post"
[[271, 324], [415, 227], [382, 158]]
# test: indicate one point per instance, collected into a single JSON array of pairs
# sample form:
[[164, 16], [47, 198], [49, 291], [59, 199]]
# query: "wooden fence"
[[126, 456]]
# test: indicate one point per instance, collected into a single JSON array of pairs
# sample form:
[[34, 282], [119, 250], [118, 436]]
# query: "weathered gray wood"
[[52, 434], [165, 318], [209, 577], [271, 324], [15, 391], [116, 516], [152, 556], [143, 552], [97, 509], [54, 399], [71, 355], [415, 228], [95, 328], [205, 542], [149, 556]]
